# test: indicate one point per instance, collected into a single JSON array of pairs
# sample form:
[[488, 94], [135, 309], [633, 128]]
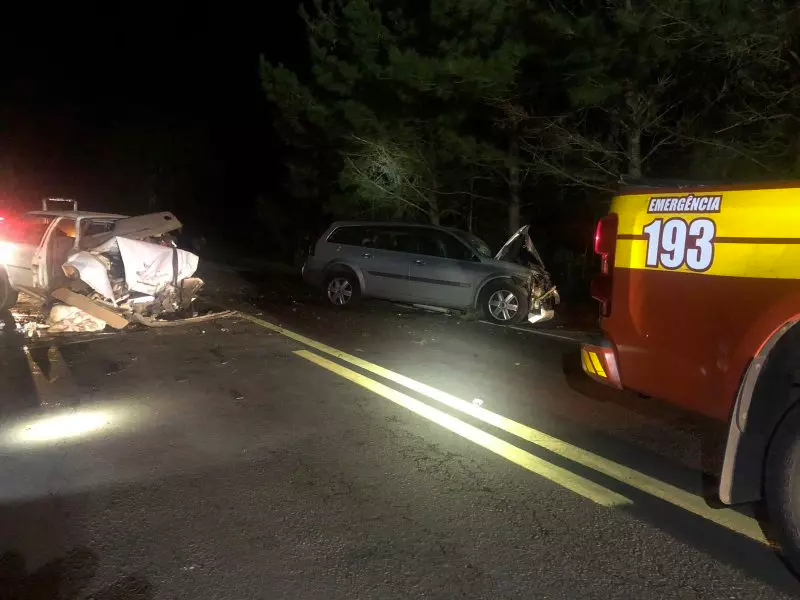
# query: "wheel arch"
[[763, 398], [337, 266], [518, 280]]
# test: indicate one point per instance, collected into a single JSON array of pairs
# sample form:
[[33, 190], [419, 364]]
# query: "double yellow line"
[[692, 503]]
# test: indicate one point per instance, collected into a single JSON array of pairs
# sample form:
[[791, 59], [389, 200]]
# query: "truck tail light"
[[605, 243]]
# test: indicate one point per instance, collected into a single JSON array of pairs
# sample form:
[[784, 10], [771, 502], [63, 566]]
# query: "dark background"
[[146, 105]]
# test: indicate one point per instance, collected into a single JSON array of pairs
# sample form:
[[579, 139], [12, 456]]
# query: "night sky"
[[125, 106]]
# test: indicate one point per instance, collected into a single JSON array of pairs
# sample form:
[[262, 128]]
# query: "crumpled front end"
[[544, 297], [138, 275], [543, 294]]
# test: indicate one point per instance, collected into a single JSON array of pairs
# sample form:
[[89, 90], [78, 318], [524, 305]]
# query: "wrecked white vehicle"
[[110, 269]]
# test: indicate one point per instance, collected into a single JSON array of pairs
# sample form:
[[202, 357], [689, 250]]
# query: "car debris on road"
[[108, 269]]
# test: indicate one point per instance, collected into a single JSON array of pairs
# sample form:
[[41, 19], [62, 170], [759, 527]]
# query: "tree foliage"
[[422, 110]]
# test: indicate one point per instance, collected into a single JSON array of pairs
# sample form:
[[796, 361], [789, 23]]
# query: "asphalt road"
[[372, 453]]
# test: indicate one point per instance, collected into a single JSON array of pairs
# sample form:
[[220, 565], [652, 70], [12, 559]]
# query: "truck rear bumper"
[[599, 361]]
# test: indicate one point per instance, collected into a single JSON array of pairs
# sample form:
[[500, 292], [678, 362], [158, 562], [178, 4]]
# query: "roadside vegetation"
[[488, 114]]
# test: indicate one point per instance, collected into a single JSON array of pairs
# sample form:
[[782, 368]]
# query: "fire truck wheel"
[[782, 486], [8, 295]]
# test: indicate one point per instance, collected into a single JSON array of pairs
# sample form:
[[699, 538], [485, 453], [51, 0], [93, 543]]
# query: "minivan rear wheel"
[[341, 289], [504, 303]]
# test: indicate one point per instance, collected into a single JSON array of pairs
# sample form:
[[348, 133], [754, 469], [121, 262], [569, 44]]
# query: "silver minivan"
[[432, 266]]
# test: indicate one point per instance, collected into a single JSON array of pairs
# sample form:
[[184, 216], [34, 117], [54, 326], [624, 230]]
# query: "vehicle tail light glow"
[[605, 243], [5, 252]]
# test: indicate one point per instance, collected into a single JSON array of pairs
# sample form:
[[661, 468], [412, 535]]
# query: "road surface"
[[300, 452]]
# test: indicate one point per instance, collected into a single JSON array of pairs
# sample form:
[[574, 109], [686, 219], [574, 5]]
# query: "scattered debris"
[[31, 329], [93, 307], [64, 318], [153, 322], [236, 395], [477, 402]]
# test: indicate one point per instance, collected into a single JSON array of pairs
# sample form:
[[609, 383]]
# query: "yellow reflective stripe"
[[567, 479], [598, 367], [757, 232], [762, 261], [587, 364], [770, 213]]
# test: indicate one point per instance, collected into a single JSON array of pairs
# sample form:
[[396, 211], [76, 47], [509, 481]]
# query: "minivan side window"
[[351, 236], [433, 242], [397, 239]]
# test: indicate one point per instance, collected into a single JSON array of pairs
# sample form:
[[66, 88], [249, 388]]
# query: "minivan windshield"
[[474, 242]]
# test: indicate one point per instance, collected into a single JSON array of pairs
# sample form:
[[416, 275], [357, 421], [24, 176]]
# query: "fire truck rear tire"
[[8, 295], [782, 486]]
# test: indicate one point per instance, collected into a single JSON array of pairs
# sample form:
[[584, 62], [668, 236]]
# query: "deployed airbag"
[[92, 271], [149, 268]]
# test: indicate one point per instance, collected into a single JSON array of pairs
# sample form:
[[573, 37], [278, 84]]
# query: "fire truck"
[[699, 296]]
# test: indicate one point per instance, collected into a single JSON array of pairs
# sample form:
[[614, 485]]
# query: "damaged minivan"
[[432, 266], [109, 268]]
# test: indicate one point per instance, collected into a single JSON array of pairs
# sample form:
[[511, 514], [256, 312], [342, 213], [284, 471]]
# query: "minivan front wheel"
[[342, 289], [504, 303]]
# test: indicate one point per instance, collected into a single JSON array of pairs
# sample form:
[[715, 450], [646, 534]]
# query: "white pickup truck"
[[35, 247]]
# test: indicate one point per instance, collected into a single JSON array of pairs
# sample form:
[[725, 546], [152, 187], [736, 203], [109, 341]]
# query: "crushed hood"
[[130, 270], [149, 268], [511, 249], [136, 228]]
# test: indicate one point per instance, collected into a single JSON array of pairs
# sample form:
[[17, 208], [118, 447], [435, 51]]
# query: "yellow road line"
[[688, 501], [567, 479]]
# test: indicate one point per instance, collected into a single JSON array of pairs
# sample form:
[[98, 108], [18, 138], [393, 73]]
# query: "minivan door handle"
[[419, 262], [367, 255]]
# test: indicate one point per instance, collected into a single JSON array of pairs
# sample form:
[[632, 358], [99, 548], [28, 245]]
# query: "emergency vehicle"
[[699, 297]]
